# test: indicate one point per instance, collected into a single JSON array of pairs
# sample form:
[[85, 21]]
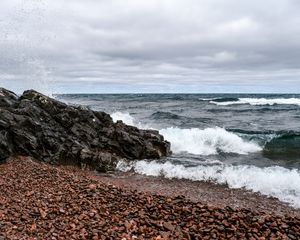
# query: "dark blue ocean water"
[[243, 140]]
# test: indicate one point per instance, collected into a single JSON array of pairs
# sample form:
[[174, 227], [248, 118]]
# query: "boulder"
[[51, 131], [7, 98]]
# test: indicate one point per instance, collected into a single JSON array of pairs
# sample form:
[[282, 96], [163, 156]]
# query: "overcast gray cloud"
[[150, 45]]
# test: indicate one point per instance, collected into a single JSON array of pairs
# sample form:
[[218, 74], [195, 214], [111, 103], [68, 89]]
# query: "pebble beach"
[[40, 201]]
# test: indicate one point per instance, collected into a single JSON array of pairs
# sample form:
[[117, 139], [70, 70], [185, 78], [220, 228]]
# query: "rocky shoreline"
[[67, 199], [199, 191], [40, 201], [51, 131]]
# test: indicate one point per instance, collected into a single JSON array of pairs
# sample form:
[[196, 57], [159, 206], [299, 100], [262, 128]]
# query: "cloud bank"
[[150, 46]]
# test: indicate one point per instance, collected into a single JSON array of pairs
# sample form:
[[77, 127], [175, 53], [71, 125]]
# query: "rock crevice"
[[51, 131]]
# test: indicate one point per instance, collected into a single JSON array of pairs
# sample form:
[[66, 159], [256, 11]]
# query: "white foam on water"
[[198, 141], [206, 99], [272, 181], [261, 101], [125, 117], [207, 141], [128, 119]]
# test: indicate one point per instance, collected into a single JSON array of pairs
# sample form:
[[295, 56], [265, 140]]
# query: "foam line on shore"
[[272, 181]]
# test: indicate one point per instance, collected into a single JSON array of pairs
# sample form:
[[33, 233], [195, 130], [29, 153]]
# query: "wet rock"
[[51, 131], [7, 98]]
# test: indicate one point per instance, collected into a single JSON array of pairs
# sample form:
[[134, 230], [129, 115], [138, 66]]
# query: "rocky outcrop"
[[51, 131]]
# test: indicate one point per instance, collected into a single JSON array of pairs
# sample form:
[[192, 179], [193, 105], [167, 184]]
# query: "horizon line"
[[101, 93]]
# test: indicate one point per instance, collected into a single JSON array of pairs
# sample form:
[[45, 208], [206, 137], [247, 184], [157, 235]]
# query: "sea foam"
[[206, 141], [125, 117], [260, 101], [128, 119], [272, 181]]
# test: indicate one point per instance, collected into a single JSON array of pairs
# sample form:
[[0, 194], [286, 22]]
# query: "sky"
[[150, 46]]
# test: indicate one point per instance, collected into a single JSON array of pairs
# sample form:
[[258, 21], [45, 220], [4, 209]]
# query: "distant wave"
[[165, 115], [224, 99], [252, 132], [161, 115], [273, 181], [250, 109], [257, 101]]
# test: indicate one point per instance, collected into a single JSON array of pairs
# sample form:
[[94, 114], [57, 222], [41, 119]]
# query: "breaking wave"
[[272, 181], [125, 117], [257, 101], [215, 140], [128, 119], [207, 141], [224, 99], [220, 99]]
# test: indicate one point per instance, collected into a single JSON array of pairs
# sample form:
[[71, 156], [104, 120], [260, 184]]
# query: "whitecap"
[[261, 101], [207, 141]]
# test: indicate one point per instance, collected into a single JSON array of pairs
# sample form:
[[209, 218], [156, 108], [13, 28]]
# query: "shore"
[[204, 192], [40, 201]]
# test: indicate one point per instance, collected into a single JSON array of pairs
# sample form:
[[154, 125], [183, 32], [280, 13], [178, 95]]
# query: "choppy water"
[[243, 140]]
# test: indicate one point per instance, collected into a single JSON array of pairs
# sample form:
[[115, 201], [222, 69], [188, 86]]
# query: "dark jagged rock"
[[7, 98], [48, 130]]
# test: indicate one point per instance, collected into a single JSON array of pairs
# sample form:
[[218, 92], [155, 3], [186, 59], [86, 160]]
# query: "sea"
[[249, 141]]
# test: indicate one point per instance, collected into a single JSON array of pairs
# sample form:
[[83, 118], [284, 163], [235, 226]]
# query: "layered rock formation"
[[48, 130]]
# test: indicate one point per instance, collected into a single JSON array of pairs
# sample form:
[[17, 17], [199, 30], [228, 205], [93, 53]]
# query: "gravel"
[[40, 201]]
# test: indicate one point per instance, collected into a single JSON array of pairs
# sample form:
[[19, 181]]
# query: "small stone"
[[92, 186], [72, 225], [43, 213], [168, 226], [291, 236], [33, 227]]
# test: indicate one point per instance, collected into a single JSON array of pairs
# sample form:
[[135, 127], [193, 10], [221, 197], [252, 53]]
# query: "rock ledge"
[[51, 131]]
